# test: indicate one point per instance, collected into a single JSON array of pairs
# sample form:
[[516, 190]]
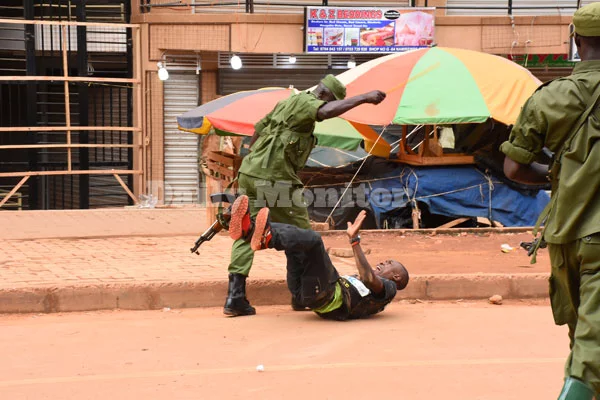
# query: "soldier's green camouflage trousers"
[[575, 298], [286, 205]]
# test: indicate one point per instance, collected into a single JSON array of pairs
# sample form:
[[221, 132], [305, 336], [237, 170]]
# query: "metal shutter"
[[475, 7], [231, 81], [181, 148], [273, 70]]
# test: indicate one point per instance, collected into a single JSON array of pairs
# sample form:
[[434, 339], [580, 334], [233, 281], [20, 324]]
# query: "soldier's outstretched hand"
[[375, 97]]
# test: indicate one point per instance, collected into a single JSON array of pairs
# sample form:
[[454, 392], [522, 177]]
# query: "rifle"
[[220, 223], [531, 246]]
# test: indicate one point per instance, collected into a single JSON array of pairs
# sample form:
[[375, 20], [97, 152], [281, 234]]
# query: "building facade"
[[195, 40]]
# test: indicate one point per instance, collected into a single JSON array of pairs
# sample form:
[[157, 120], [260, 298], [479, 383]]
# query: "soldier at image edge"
[[563, 116]]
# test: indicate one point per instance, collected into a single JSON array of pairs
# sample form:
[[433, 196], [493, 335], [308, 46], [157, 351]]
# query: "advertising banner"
[[367, 29]]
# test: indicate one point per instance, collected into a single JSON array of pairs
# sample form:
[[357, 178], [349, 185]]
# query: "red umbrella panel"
[[236, 113]]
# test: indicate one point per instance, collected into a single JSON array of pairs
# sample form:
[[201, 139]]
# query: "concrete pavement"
[[106, 222], [53, 261]]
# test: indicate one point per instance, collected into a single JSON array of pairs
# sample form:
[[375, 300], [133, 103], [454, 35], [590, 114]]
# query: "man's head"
[[330, 88], [393, 270], [587, 31]]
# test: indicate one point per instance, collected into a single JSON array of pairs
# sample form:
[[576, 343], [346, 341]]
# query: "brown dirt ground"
[[453, 351], [449, 253]]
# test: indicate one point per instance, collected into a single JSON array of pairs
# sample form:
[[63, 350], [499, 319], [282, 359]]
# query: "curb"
[[434, 231], [339, 232], [153, 296]]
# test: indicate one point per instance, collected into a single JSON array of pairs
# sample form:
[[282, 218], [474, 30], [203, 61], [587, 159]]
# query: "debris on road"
[[496, 299]]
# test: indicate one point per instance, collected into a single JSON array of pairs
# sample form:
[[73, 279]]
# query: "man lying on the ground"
[[318, 286]]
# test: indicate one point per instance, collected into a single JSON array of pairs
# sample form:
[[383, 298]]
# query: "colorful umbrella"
[[440, 85], [233, 114], [237, 113]]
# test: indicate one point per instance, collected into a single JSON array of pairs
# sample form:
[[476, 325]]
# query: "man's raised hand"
[[354, 227]]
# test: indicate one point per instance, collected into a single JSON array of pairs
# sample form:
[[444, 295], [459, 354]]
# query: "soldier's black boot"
[[574, 389], [236, 303]]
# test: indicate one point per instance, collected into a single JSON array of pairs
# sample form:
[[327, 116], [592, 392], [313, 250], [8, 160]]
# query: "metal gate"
[[66, 103], [181, 92]]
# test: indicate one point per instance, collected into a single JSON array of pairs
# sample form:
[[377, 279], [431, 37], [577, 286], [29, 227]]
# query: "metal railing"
[[251, 5], [17, 199], [104, 141]]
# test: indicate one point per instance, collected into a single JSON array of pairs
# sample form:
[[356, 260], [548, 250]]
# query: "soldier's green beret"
[[587, 20], [337, 88]]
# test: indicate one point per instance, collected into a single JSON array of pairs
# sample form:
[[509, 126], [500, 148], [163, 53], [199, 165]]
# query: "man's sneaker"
[[262, 231], [240, 225]]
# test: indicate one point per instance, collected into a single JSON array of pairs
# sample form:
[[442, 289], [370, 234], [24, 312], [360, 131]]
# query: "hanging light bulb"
[[236, 62], [163, 74], [351, 63], [292, 59]]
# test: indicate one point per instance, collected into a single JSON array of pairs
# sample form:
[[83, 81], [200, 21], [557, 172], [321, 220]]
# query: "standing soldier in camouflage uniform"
[[280, 147], [564, 116]]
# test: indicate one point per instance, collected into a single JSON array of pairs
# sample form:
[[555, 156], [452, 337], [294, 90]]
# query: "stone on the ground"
[[319, 226], [496, 299]]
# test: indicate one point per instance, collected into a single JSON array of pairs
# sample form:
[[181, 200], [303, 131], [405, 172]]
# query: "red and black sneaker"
[[240, 225], [262, 231]]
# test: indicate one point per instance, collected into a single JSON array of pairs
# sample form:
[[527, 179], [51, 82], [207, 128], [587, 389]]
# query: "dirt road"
[[447, 351], [449, 254]]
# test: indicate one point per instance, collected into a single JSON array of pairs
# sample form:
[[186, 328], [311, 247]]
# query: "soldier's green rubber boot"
[[574, 389]]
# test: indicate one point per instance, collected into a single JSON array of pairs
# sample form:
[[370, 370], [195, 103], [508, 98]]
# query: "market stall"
[[444, 107]]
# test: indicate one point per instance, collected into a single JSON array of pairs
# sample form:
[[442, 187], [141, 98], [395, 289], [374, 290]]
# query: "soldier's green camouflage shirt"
[[286, 140], [548, 119]]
